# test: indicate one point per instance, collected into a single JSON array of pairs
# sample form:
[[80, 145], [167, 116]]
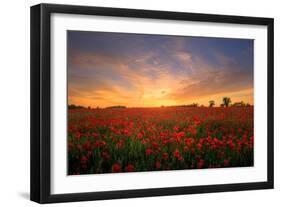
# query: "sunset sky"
[[136, 70]]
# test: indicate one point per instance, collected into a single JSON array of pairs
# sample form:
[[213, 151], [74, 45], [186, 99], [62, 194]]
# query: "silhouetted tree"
[[211, 103], [226, 101]]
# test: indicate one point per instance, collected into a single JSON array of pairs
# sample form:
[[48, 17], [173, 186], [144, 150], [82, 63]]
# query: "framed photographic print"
[[132, 103]]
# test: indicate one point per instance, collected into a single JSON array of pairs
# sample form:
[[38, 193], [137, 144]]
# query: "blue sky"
[[140, 70]]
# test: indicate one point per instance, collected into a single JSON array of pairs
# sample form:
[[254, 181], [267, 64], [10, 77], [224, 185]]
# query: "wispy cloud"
[[165, 73]]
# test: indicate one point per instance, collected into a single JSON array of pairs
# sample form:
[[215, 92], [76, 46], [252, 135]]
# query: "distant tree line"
[[116, 107], [73, 106], [185, 105], [226, 102]]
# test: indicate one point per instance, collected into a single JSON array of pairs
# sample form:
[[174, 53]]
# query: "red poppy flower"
[[200, 164], [87, 145], [230, 144], [176, 128], [148, 151], [130, 168], [165, 155], [139, 135], [95, 135], [225, 163], [199, 146], [157, 165], [77, 136], [116, 168], [177, 154], [181, 134], [143, 141]]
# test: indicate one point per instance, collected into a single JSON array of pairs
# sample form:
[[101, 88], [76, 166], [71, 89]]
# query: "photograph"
[[133, 103], [154, 102]]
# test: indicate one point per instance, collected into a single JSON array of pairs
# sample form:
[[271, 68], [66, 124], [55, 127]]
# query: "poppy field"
[[118, 140]]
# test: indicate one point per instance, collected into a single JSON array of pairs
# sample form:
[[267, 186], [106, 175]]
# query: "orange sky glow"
[[109, 69]]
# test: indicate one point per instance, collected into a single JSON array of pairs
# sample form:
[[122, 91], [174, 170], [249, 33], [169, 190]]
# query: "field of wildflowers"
[[165, 138]]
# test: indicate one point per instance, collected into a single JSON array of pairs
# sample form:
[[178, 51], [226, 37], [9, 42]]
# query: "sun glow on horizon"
[[133, 70]]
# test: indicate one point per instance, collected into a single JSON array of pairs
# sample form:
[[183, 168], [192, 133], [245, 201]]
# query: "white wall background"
[[14, 102]]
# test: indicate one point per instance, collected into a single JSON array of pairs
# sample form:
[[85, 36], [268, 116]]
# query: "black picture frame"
[[41, 96]]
